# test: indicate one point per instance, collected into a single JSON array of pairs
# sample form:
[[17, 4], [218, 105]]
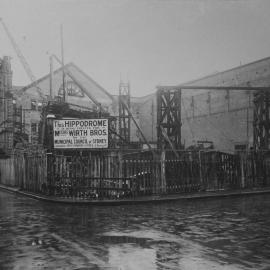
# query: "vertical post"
[[124, 112], [152, 114], [120, 168], [143, 178], [242, 157], [200, 168], [159, 116], [51, 76], [247, 127], [266, 115], [4, 117], [209, 102], [163, 172], [249, 105], [101, 184], [63, 63], [179, 119]]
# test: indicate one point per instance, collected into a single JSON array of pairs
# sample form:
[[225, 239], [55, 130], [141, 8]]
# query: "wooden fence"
[[30, 166], [202, 170], [255, 168], [118, 174], [100, 174], [7, 172]]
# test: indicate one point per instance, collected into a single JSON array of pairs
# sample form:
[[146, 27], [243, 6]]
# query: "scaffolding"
[[261, 121], [169, 118], [124, 115], [169, 114]]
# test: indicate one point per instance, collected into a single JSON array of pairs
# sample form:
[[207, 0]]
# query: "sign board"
[[80, 133]]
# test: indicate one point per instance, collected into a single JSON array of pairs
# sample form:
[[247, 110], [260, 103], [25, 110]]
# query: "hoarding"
[[80, 133]]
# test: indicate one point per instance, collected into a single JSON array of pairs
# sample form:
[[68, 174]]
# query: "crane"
[[22, 60]]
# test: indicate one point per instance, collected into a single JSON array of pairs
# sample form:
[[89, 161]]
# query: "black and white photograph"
[[134, 134]]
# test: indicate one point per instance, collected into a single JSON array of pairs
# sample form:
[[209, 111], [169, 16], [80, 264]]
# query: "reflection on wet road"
[[232, 233]]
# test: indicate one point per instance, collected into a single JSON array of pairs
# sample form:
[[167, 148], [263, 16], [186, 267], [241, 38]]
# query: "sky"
[[145, 42]]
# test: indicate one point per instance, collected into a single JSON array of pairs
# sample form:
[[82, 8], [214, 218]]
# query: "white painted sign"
[[80, 133]]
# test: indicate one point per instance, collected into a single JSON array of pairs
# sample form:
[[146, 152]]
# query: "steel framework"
[[169, 118], [169, 114], [124, 115], [261, 121]]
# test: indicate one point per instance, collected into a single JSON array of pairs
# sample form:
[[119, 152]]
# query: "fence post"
[[120, 168], [162, 181], [242, 170], [200, 169]]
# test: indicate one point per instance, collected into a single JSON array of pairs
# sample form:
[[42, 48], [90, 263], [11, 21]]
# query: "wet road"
[[231, 233]]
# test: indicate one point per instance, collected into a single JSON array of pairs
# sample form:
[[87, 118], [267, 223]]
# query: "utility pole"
[[63, 63], [51, 77], [124, 112]]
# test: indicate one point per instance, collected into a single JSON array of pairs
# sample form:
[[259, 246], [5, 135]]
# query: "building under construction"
[[221, 117], [210, 133]]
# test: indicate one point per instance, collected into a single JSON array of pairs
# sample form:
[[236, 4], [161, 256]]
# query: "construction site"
[[65, 135]]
